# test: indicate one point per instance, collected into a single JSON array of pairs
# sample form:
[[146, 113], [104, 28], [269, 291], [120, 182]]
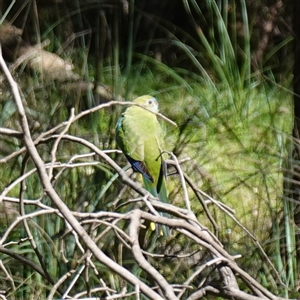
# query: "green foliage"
[[234, 124]]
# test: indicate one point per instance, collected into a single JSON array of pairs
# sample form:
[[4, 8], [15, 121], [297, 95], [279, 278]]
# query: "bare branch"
[[11, 132], [136, 250], [56, 199]]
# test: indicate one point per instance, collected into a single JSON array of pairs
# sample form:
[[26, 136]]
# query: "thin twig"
[[11, 132], [56, 143], [183, 184], [203, 203], [22, 260], [197, 272], [8, 277], [78, 272]]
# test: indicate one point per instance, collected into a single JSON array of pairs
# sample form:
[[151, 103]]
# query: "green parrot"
[[140, 137]]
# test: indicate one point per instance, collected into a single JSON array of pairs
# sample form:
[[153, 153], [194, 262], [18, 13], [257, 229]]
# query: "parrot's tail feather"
[[163, 197]]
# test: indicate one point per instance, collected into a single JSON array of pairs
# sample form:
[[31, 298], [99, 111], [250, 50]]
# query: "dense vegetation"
[[221, 70]]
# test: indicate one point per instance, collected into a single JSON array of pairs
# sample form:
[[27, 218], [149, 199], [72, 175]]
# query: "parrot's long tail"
[[162, 196]]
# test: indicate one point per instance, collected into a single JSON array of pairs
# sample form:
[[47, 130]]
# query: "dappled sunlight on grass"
[[242, 151]]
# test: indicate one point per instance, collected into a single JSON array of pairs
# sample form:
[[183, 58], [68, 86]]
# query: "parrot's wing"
[[120, 138], [133, 149], [140, 167], [129, 139]]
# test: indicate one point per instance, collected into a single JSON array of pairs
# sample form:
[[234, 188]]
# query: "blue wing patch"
[[139, 166]]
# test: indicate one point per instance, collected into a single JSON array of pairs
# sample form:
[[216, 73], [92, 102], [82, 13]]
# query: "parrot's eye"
[[150, 101]]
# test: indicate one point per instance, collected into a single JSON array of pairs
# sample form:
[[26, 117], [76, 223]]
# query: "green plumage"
[[140, 137]]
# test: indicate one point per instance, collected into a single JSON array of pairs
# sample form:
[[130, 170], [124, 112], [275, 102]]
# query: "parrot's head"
[[148, 101]]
